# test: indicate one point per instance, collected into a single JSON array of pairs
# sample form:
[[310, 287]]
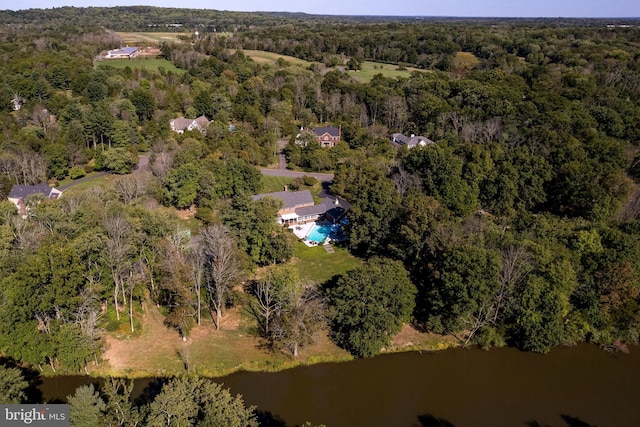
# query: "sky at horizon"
[[461, 8]]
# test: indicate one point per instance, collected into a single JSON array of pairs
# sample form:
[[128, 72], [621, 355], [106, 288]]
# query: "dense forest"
[[520, 226]]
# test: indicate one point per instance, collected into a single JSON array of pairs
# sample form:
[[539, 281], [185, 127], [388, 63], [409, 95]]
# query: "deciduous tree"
[[369, 306]]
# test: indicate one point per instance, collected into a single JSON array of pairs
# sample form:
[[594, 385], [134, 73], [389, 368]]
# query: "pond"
[[578, 386]]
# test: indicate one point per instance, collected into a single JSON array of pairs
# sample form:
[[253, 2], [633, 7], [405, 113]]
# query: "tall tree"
[[298, 315], [370, 304], [12, 385], [224, 267], [86, 407]]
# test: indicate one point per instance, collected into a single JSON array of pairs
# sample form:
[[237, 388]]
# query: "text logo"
[[36, 415]]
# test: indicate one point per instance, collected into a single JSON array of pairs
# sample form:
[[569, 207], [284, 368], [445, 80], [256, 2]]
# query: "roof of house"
[[415, 140], [411, 141], [291, 199], [315, 209], [399, 138], [331, 130], [181, 123], [202, 121], [124, 51], [23, 191]]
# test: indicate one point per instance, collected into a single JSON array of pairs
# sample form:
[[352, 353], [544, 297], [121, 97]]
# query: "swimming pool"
[[319, 233]]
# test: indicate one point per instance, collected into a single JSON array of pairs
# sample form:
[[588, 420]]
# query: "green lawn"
[[105, 180], [146, 63], [315, 264], [370, 69], [67, 180], [271, 184], [264, 57]]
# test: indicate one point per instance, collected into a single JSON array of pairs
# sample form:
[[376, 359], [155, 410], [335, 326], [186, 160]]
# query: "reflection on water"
[[579, 386]]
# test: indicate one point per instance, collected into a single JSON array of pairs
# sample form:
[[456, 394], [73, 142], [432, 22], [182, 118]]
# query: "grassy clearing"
[[271, 184], [370, 69], [465, 60], [315, 264], [103, 181], [263, 57], [146, 63], [137, 38], [158, 350], [67, 180]]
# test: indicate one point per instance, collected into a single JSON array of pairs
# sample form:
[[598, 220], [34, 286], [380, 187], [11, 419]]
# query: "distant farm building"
[[122, 53]]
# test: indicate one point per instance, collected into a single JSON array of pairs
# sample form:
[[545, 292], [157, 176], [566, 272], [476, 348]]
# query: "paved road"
[[324, 177], [282, 164]]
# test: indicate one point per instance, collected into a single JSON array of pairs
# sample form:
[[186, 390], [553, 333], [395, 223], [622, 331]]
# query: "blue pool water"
[[319, 233]]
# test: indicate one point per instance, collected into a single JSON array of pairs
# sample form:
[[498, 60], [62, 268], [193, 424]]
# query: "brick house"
[[328, 136]]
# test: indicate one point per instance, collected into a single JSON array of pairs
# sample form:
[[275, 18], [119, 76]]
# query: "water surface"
[[579, 386]]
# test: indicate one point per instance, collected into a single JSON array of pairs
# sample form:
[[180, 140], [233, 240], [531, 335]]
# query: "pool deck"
[[301, 232]]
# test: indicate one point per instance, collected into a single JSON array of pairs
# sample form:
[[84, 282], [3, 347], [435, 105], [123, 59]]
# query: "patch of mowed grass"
[[101, 181], [370, 69], [67, 180], [143, 63], [264, 57], [317, 265], [271, 184]]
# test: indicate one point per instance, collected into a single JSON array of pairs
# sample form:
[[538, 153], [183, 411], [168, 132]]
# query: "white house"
[[181, 124], [399, 139]]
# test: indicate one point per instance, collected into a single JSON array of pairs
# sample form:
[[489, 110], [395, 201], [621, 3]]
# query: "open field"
[[159, 350], [103, 181], [370, 69], [147, 63], [271, 184], [133, 38], [465, 60], [263, 57], [87, 177]]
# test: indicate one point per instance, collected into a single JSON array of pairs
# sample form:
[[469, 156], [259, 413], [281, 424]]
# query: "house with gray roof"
[[182, 124], [20, 193], [299, 207], [400, 140]]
